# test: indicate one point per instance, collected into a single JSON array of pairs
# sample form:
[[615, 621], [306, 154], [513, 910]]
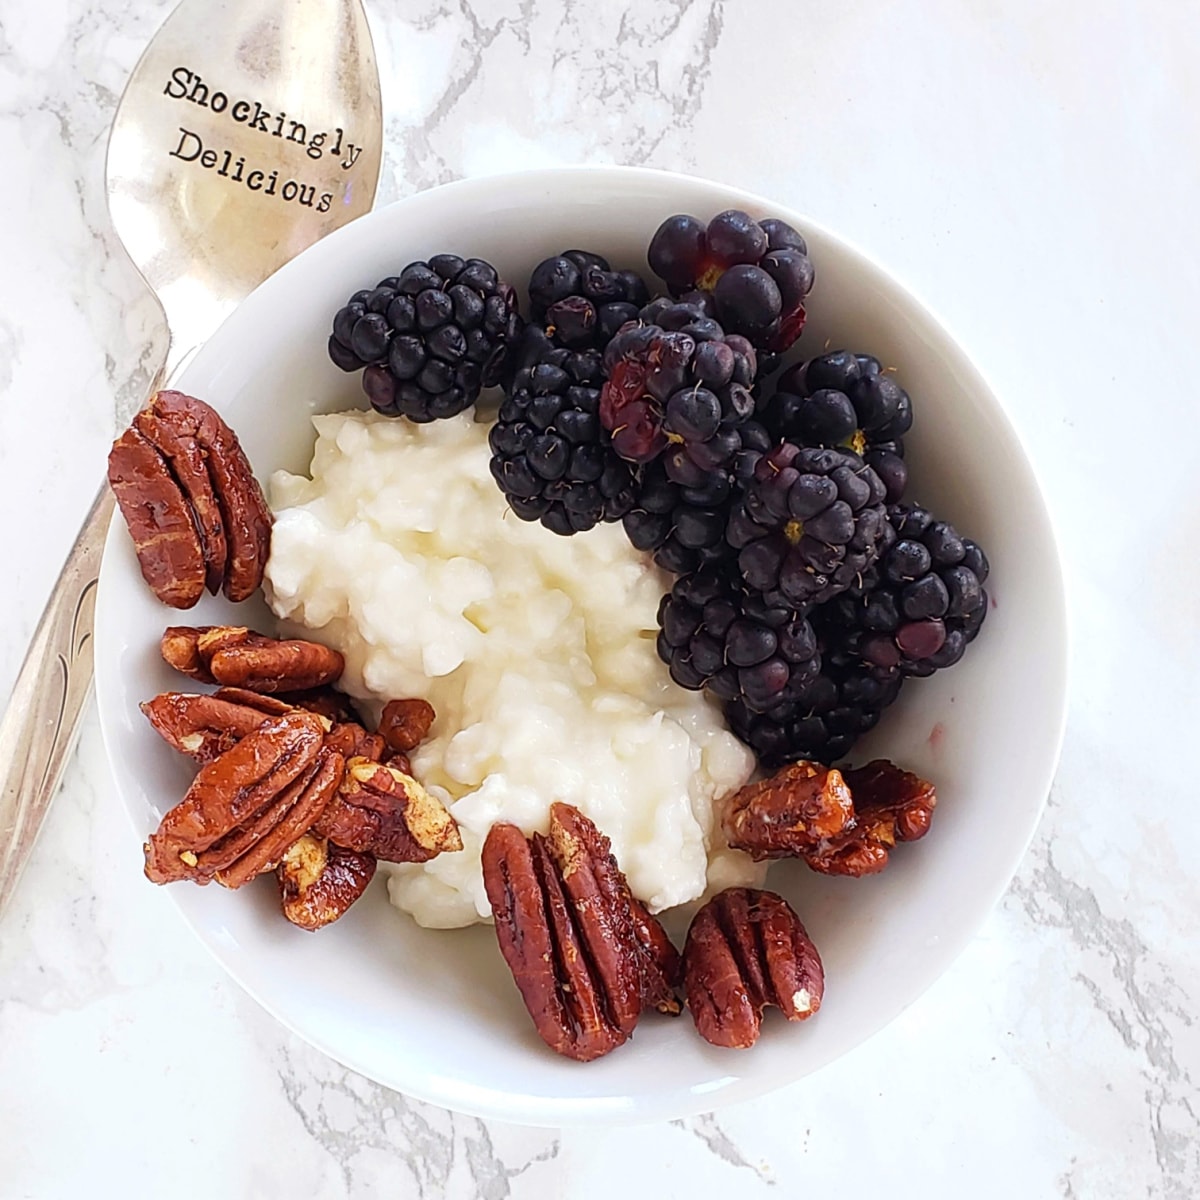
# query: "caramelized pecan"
[[542, 950], [238, 657], [159, 519], [747, 949], [890, 806], [585, 957], [231, 793], [405, 723], [318, 881], [792, 811], [194, 509], [388, 813], [203, 727]]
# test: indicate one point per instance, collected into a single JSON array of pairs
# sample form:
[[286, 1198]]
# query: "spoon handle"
[[38, 730]]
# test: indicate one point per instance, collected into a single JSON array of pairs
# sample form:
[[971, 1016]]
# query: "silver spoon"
[[248, 130]]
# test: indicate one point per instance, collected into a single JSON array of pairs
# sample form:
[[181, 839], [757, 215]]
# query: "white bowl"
[[435, 1014]]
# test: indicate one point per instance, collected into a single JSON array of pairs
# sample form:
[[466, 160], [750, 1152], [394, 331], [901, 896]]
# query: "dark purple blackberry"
[[429, 338], [758, 273], [677, 386], [715, 634], [581, 301], [809, 523], [550, 455], [832, 711], [684, 527], [920, 605], [844, 399]]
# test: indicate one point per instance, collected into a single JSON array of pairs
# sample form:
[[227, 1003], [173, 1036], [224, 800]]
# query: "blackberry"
[[917, 609], [550, 455], [758, 273], [581, 300], [845, 399], [714, 633], [429, 338], [832, 711], [684, 527], [677, 386], [810, 521]]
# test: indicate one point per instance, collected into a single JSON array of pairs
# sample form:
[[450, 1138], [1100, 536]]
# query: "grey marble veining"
[[1026, 170]]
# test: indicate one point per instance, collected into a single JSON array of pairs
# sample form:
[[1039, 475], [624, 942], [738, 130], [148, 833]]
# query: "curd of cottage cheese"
[[536, 651]]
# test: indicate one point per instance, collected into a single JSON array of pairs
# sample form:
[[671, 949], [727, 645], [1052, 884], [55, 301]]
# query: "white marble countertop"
[[1030, 170]]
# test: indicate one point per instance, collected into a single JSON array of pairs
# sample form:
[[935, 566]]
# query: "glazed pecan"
[[388, 813], [405, 723], [747, 949], [318, 881], [194, 509], [234, 656], [570, 936], [890, 806], [793, 810], [203, 727], [236, 792]]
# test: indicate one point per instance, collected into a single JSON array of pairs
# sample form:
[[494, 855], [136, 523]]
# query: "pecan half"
[[890, 806], [231, 793], [542, 948], [388, 813], [792, 811], [194, 509], [747, 949], [319, 881], [234, 656], [202, 727], [159, 519], [405, 723], [584, 960]]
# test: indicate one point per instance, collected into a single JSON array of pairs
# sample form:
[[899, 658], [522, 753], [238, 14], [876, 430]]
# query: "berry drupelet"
[[832, 711], [581, 300], [714, 633], [846, 400], [550, 455], [677, 386], [757, 273], [809, 523], [918, 607], [429, 338]]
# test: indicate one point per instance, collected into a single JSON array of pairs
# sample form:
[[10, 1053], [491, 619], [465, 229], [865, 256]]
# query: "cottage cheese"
[[537, 652]]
